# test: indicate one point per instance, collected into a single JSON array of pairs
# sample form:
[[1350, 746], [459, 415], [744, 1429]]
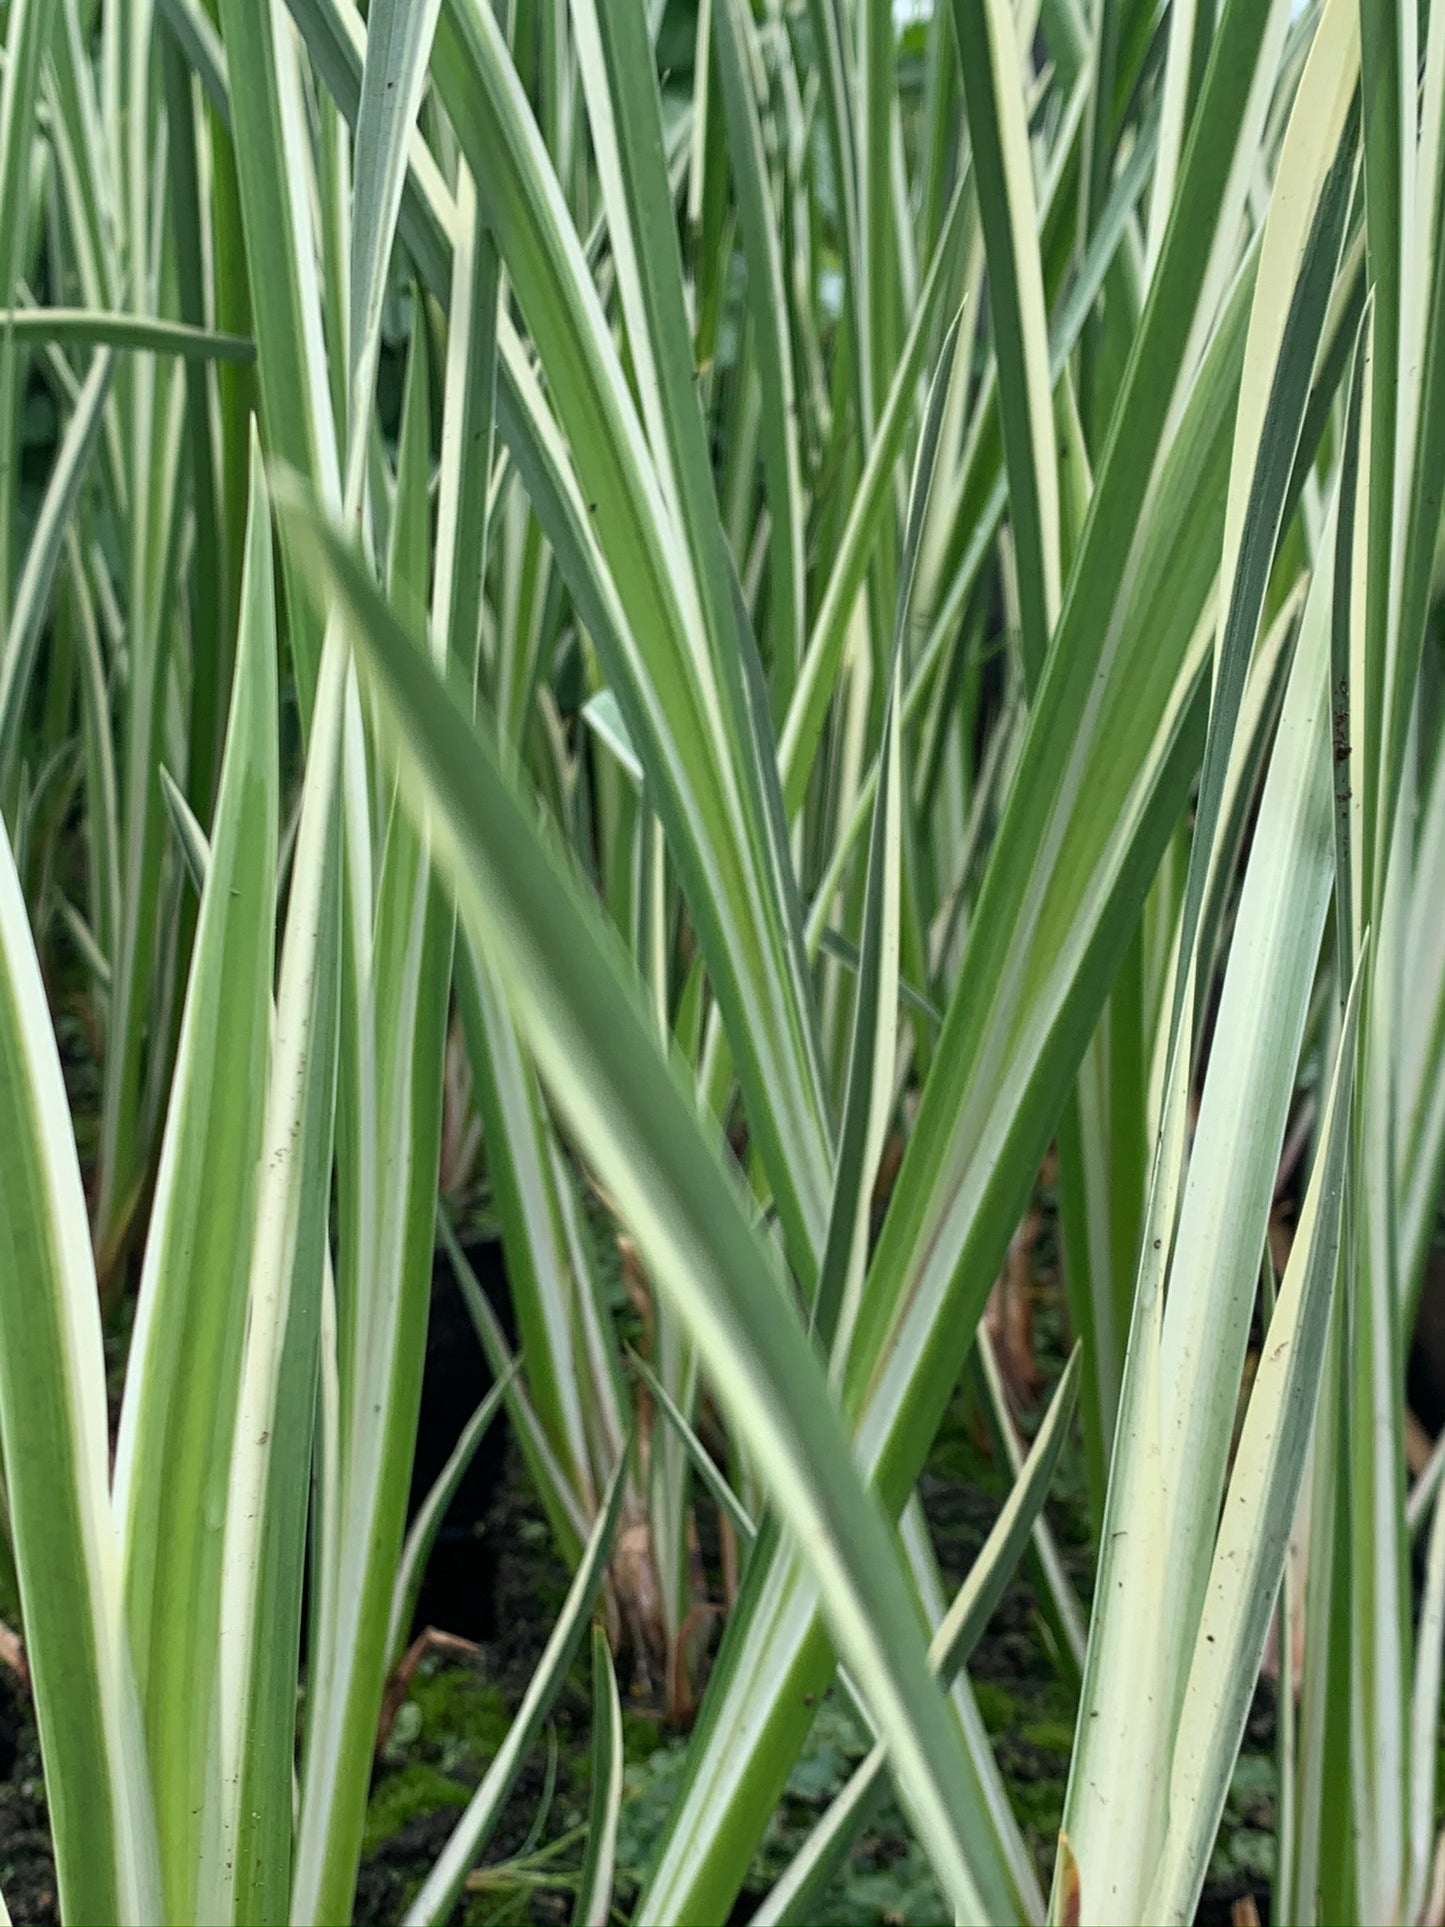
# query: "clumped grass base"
[[457, 1712]]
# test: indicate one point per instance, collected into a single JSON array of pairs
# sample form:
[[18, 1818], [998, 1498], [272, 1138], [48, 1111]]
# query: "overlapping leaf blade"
[[594, 1047]]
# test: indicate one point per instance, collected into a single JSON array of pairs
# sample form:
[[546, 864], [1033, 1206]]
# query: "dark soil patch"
[[27, 1867], [459, 1592]]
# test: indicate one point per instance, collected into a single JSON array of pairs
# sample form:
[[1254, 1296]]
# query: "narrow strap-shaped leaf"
[[398, 45], [397, 966], [1095, 583], [881, 283], [1301, 247], [145, 334], [596, 1049], [266, 1504], [1173, 120], [690, 728], [548, 1475], [1058, 897], [27, 38], [1422, 1087], [620, 86], [1299, 257], [998, 131], [593, 1906], [1345, 646], [470, 66], [798, 1893], [1257, 1513], [99, 751], [422, 1532], [734, 36], [212, 496], [834, 944], [869, 1093], [272, 168], [603, 717], [803, 725], [983, 523], [54, 1430], [1184, 1361], [192, 840], [717, 1486], [1389, 61], [183, 1381], [1194, 1341], [1419, 446], [84, 938], [1058, 1600], [25, 619], [518, 1137], [828, 24], [199, 41], [1425, 1715], [443, 1884], [469, 414]]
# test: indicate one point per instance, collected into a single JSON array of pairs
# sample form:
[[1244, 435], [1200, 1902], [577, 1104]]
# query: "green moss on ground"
[[409, 1794], [447, 1731], [460, 1716]]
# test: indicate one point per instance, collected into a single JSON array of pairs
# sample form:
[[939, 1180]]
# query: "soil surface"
[[27, 1871]]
